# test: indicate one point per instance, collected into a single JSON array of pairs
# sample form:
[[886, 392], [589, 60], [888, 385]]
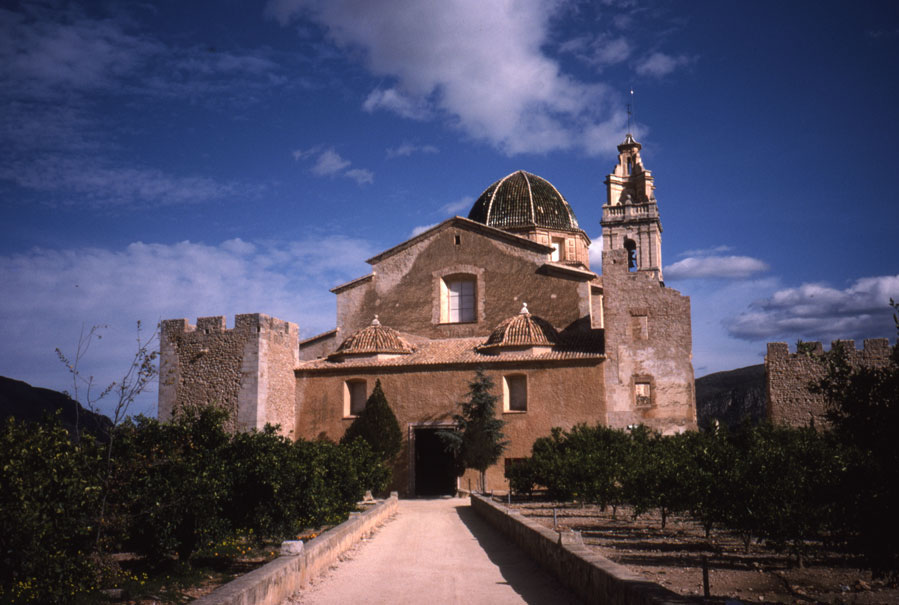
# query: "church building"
[[508, 290]]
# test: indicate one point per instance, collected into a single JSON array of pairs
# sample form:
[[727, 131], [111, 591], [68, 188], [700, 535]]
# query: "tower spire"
[[630, 111]]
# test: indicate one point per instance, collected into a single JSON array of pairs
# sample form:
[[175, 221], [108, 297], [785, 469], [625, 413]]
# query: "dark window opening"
[[458, 240]]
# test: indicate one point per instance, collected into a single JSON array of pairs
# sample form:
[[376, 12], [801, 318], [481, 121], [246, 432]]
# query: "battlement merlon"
[[872, 347], [257, 322]]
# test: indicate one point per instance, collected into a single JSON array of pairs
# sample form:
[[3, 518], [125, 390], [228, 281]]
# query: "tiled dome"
[[522, 331], [373, 340], [523, 200]]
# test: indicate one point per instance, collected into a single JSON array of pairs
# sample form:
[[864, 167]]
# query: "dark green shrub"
[[49, 495]]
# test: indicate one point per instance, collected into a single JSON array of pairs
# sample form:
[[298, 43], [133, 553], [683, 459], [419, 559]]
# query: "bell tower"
[[630, 216]]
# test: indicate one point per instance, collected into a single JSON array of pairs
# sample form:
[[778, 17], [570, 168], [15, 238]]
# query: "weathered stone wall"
[[789, 376], [559, 394], [404, 290], [248, 370], [648, 340]]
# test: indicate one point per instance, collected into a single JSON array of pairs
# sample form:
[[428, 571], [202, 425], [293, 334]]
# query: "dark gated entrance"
[[434, 469]]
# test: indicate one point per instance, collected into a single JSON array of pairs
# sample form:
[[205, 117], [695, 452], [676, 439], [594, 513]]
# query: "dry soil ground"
[[673, 557]]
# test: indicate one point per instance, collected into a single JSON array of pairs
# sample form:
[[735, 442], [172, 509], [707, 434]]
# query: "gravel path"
[[434, 552]]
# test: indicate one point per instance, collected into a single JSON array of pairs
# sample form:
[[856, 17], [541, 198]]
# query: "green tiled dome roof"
[[521, 200]]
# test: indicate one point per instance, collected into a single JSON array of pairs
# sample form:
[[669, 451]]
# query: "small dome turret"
[[523, 331], [374, 339]]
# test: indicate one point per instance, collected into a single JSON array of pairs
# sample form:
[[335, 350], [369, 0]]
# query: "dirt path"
[[434, 552]]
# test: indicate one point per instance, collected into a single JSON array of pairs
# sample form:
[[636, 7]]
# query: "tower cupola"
[[630, 216]]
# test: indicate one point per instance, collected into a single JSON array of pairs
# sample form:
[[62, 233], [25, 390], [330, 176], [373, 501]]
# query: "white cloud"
[[406, 149], [102, 183], [726, 267], [599, 51], [659, 64], [462, 205], [421, 229], [361, 176], [393, 100], [50, 294], [594, 253], [818, 311], [330, 163], [713, 251], [481, 65]]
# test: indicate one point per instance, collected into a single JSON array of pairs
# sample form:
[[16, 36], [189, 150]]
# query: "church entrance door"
[[434, 468]]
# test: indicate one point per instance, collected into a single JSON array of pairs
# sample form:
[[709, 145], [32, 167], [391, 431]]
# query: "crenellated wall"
[[248, 370], [789, 376]]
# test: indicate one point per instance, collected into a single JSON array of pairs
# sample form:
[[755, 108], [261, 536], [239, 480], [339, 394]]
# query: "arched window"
[[631, 247]]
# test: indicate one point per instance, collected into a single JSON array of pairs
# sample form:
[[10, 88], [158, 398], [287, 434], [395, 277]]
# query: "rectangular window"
[[461, 301], [642, 394], [557, 245], [515, 393], [354, 397]]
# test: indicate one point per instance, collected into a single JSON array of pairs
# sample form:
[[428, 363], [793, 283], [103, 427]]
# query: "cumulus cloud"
[[821, 312], [50, 294], [406, 149], [487, 74], [659, 64], [725, 267], [327, 162]]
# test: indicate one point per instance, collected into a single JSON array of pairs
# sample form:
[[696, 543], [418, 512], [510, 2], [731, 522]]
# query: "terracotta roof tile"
[[374, 339], [464, 351]]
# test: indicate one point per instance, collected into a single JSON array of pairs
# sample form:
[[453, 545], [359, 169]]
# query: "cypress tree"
[[478, 441], [378, 426]]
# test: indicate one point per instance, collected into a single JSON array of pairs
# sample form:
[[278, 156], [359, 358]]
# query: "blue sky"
[[185, 159]]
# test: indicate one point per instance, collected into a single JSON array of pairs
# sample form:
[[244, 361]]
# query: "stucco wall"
[[648, 339], [559, 394], [403, 291], [789, 376]]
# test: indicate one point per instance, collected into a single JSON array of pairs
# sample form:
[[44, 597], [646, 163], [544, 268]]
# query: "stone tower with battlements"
[[630, 216], [248, 370]]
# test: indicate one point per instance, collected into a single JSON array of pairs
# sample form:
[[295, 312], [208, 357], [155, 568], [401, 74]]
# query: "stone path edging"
[[278, 579], [592, 577]]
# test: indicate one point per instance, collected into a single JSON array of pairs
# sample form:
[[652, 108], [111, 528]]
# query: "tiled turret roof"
[[375, 339], [522, 330], [522, 200]]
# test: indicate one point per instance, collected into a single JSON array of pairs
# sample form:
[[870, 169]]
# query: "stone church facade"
[[508, 290]]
